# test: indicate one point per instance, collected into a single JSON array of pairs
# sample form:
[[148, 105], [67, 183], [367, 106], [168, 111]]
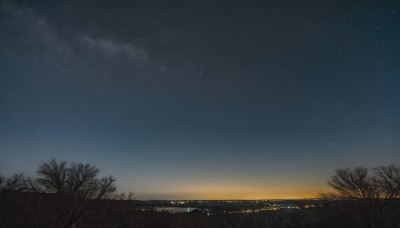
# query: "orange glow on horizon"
[[234, 194]]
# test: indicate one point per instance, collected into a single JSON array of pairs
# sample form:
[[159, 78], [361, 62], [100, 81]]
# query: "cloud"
[[114, 48], [42, 30], [32, 29]]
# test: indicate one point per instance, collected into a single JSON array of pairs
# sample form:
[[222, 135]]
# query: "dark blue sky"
[[201, 99]]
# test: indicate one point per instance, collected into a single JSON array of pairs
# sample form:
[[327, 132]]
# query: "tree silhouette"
[[72, 191], [76, 180], [63, 195], [131, 196], [373, 194], [14, 183]]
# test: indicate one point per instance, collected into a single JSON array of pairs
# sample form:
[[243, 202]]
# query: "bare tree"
[[374, 192], [131, 196], [13, 183], [77, 180], [62, 195], [122, 196], [2, 182], [71, 189], [388, 179]]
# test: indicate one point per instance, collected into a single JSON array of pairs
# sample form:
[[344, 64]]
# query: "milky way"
[[201, 99]]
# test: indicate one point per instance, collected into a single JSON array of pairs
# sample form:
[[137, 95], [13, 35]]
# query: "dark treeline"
[[72, 195], [62, 195]]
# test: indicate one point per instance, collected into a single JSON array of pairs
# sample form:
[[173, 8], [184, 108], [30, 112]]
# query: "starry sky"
[[201, 99]]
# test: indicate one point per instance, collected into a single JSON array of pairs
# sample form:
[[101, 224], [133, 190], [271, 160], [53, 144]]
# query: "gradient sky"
[[201, 99]]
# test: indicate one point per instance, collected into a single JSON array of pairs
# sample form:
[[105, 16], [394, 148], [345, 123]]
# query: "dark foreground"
[[31, 210]]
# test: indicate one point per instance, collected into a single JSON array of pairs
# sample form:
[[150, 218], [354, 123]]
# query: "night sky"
[[201, 99]]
